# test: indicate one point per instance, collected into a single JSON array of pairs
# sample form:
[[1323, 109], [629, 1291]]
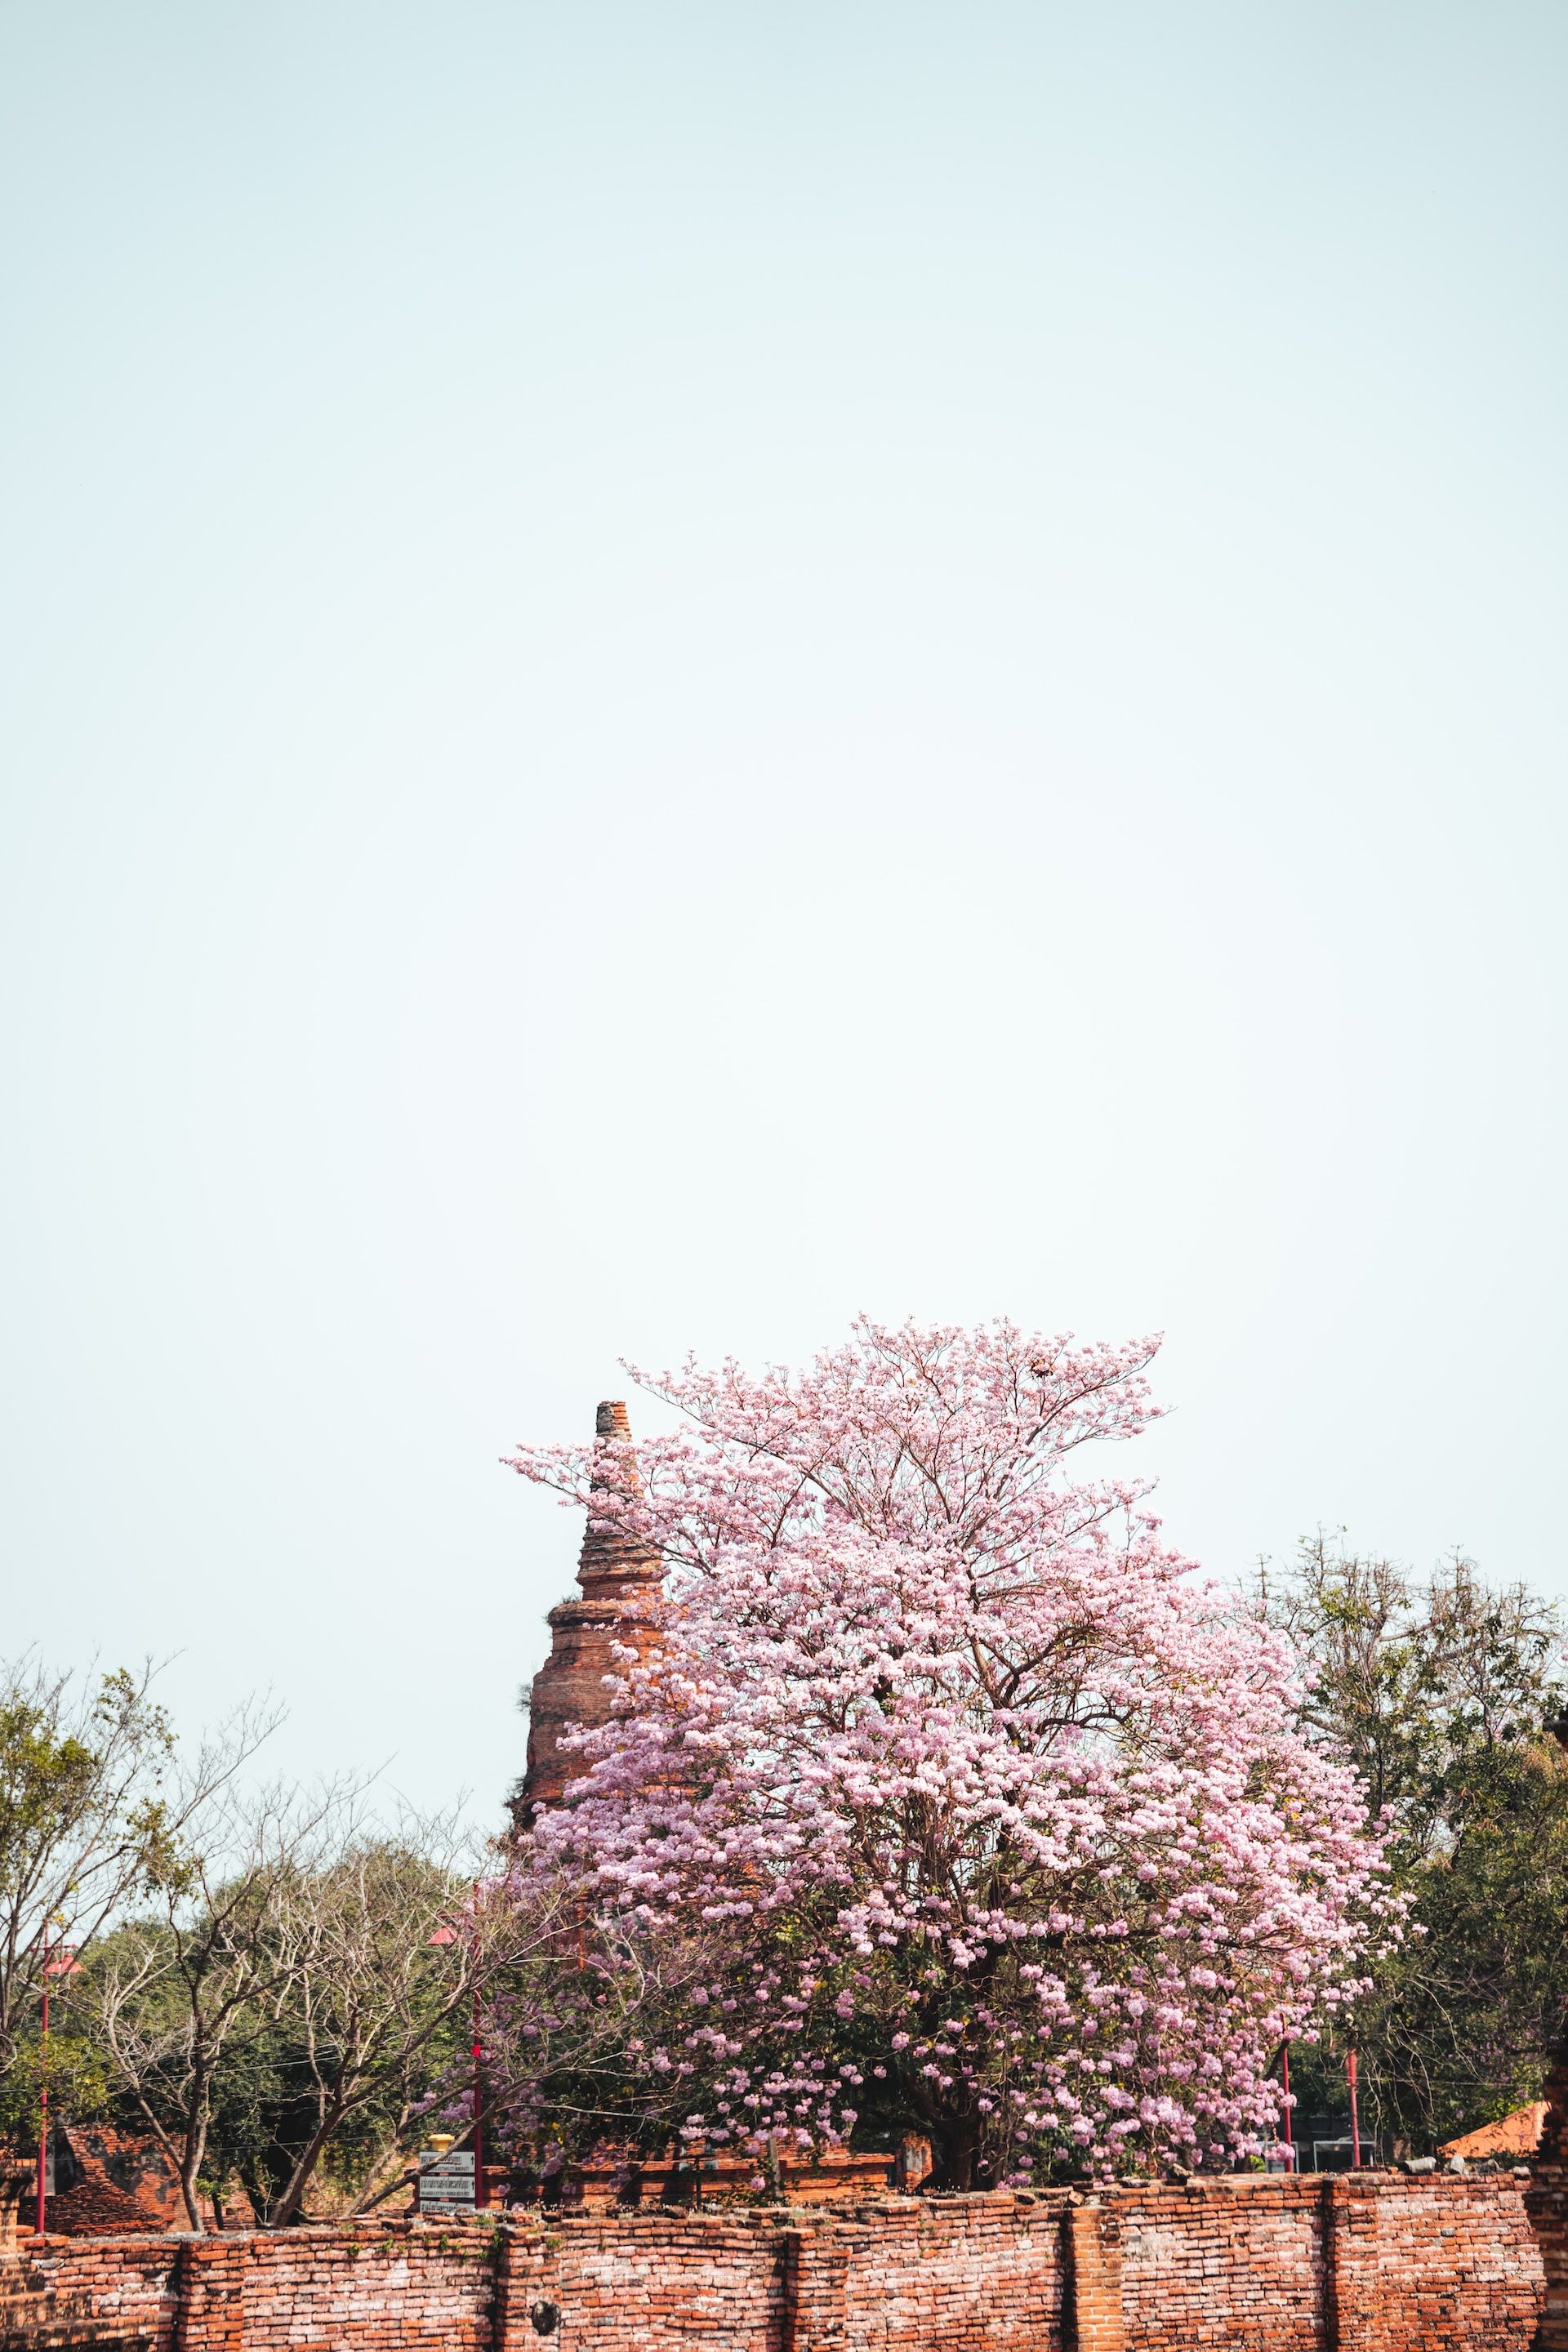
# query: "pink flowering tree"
[[969, 1809]]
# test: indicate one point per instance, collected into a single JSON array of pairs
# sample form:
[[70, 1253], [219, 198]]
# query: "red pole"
[[479, 2103], [1290, 2143], [44, 2092], [478, 2073], [1355, 2127]]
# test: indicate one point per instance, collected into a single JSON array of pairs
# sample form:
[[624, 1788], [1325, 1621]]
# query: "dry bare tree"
[[382, 1948], [174, 1987]]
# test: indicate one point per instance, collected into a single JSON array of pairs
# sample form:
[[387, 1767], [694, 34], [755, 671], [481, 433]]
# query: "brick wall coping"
[[1280, 2188]]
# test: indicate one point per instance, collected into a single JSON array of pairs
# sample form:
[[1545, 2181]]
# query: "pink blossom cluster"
[[990, 1819]]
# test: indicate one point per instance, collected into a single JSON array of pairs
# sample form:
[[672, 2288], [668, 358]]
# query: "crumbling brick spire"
[[609, 1560], [621, 1577]]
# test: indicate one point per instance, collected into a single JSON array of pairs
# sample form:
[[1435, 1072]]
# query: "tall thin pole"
[[1355, 2127], [478, 2064], [1290, 2143], [44, 2096], [478, 2107]]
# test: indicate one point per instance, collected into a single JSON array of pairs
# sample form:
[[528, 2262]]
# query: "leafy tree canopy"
[[960, 1804], [1440, 1691]]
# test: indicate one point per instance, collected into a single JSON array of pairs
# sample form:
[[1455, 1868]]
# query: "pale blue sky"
[[673, 668]]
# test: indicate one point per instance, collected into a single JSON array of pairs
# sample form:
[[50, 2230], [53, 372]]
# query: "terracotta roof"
[[1517, 2134]]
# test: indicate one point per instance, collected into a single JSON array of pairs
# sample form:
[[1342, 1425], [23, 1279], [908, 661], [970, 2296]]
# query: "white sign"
[[446, 2181]]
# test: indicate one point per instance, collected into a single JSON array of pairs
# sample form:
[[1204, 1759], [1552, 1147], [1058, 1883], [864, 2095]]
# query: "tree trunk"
[[177, 2162], [194, 2149], [955, 2151], [283, 2208]]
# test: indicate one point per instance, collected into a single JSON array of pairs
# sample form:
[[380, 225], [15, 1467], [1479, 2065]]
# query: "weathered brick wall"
[[1262, 2237], [1437, 2262], [975, 2274], [352, 2287], [117, 2290], [983, 2272], [1548, 2202], [649, 2282], [1368, 2264]]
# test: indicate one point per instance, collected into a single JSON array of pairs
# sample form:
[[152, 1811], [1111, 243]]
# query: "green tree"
[[1442, 1690], [83, 1813]]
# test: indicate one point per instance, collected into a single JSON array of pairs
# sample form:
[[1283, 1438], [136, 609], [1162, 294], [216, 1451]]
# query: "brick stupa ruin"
[[621, 1579]]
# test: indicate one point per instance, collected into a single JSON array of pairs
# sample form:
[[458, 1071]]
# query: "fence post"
[[789, 2288], [1328, 2202], [813, 2278], [1093, 2319], [209, 2294]]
